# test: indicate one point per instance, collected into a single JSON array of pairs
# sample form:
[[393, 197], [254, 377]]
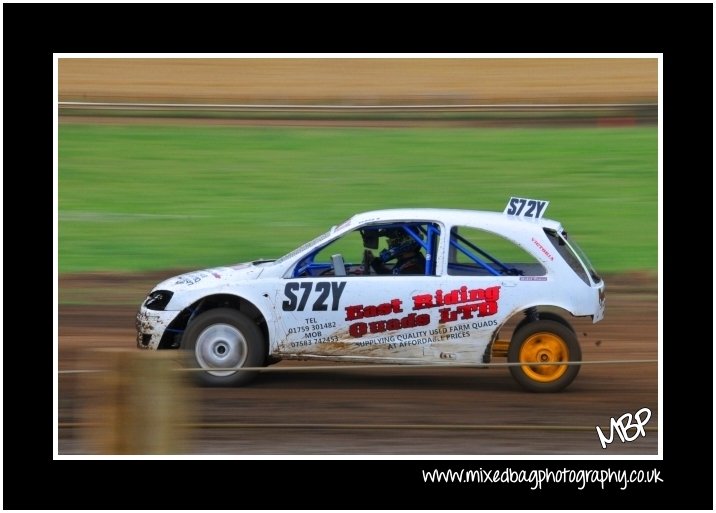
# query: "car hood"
[[216, 276]]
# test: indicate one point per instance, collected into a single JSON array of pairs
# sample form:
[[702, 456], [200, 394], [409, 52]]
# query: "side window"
[[380, 249], [348, 248], [481, 253]]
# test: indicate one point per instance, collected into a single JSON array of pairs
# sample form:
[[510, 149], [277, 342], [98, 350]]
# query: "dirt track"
[[522, 423]]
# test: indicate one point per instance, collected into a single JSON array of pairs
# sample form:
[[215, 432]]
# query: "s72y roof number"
[[525, 207]]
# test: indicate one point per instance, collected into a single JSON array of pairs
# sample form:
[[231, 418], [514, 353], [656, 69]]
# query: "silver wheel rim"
[[221, 346]]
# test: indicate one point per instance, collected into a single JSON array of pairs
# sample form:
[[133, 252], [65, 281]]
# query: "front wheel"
[[537, 344], [223, 340]]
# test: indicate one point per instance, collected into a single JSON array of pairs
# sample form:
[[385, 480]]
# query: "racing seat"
[[339, 267]]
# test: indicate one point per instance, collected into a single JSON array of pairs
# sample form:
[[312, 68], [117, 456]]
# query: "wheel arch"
[[173, 333], [500, 344]]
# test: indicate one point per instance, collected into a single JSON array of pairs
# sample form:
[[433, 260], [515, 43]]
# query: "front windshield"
[[307, 245]]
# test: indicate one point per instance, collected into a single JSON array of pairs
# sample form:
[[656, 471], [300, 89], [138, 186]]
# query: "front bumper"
[[151, 326]]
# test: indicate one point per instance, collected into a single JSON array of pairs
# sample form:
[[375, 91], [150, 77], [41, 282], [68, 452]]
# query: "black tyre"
[[223, 339], [544, 341], [545, 316]]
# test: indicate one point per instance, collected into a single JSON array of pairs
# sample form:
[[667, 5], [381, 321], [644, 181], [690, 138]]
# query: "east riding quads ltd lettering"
[[456, 305]]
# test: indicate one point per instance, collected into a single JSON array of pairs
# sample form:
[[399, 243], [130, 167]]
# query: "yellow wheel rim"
[[544, 348]]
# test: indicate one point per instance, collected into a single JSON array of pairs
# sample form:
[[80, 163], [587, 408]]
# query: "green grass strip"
[[146, 197]]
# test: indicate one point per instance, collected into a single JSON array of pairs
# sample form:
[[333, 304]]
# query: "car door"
[[331, 307]]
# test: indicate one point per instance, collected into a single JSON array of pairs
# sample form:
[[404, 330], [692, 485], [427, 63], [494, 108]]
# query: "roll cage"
[[464, 246]]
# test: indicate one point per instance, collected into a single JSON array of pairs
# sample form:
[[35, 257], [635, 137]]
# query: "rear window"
[[478, 252], [573, 255]]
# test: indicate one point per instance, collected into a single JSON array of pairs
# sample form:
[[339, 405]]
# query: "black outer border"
[[32, 33]]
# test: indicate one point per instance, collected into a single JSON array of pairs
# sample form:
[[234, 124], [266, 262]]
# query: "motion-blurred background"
[[166, 165], [174, 187]]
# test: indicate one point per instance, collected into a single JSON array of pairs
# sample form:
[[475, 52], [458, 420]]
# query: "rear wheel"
[[223, 340], [541, 345]]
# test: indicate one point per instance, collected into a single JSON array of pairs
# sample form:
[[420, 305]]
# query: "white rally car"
[[466, 274]]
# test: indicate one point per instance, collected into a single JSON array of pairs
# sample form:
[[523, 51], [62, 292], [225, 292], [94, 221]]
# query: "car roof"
[[481, 218]]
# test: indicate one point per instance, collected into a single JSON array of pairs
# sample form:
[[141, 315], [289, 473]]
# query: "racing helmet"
[[399, 242], [398, 237]]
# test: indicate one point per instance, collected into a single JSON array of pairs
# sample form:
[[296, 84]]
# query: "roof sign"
[[524, 207]]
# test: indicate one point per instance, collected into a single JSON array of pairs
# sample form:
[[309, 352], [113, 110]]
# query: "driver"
[[404, 248]]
